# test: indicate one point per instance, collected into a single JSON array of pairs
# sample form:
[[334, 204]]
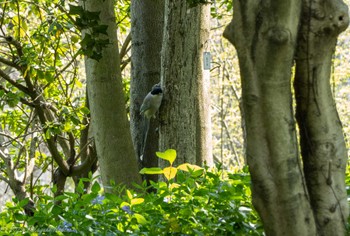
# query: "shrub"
[[193, 201]]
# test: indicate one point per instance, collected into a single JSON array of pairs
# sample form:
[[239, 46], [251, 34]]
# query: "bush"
[[193, 201]]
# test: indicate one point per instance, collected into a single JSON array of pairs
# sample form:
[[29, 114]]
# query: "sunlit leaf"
[[140, 219], [151, 171], [169, 155], [187, 167], [129, 194], [170, 172], [137, 201]]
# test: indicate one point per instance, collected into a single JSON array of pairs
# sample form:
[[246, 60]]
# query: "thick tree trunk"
[[111, 131], [147, 33], [323, 147], [185, 117], [264, 34]]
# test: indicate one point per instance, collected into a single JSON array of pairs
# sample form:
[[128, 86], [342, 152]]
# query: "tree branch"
[[14, 83], [4, 179], [23, 100], [8, 62], [125, 46]]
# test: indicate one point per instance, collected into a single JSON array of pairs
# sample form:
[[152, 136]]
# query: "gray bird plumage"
[[149, 108], [151, 102]]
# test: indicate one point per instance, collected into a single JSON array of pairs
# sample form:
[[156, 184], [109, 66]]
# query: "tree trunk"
[[185, 113], [147, 31], [266, 37], [322, 142], [264, 34], [111, 131]]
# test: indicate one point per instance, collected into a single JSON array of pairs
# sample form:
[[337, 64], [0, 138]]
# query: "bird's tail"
[[144, 139]]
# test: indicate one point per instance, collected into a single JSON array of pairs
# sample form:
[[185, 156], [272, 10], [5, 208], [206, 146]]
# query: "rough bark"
[[264, 34], [322, 142], [185, 118], [147, 31], [111, 131]]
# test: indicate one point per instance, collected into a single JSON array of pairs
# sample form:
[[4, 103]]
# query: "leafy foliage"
[[91, 44], [197, 203]]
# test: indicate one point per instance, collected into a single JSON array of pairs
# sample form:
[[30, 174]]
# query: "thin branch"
[[123, 64], [14, 83], [4, 179], [23, 100], [125, 47], [8, 62], [92, 157], [3, 156], [31, 162]]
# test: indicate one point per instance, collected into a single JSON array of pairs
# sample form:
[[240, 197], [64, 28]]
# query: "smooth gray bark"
[[267, 37], [322, 142], [185, 114], [147, 34], [111, 130], [264, 35]]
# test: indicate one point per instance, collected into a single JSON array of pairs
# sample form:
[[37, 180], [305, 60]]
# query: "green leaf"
[[129, 194], [140, 219], [169, 155], [188, 167], [137, 201], [95, 187], [75, 10], [23, 202], [170, 172], [100, 29], [85, 110], [151, 171]]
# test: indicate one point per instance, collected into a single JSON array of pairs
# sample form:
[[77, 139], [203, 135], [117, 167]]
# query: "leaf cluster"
[[91, 44], [210, 203]]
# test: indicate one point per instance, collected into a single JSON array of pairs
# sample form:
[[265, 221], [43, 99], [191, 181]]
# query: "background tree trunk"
[[185, 113], [264, 34], [111, 131], [147, 20], [322, 142]]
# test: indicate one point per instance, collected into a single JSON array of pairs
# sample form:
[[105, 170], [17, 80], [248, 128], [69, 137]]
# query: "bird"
[[151, 102], [148, 110]]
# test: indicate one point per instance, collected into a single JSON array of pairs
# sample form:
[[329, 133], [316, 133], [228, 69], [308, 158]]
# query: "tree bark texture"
[[267, 37], [322, 142], [111, 130], [185, 113], [264, 34], [147, 20]]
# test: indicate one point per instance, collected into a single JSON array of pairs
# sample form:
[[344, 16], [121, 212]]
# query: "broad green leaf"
[[140, 219], [136, 201], [95, 187], [170, 172], [23, 202], [169, 155], [124, 204], [151, 171], [188, 166], [174, 185], [129, 194]]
